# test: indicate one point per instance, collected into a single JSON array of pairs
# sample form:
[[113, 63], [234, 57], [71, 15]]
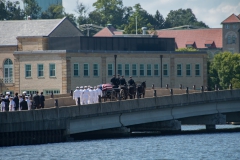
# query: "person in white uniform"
[[81, 91], [3, 104], [28, 102], [11, 104], [76, 95], [85, 95], [91, 95]]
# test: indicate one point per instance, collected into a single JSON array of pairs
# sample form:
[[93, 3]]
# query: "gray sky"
[[212, 12]]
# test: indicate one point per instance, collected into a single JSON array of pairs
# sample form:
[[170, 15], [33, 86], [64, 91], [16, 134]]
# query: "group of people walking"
[[21, 102], [87, 94], [116, 81]]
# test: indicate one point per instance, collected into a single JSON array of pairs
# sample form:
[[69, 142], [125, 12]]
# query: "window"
[[8, 71], [52, 70], [95, 69], [40, 70], [134, 70], [50, 91], [165, 69], [189, 46], [119, 69], [141, 70], [227, 26], [85, 69], [179, 70], [229, 39], [233, 39], [188, 70], [127, 68], [110, 69], [29, 92], [156, 70], [28, 70], [75, 69], [208, 45], [234, 26], [197, 70], [149, 69]]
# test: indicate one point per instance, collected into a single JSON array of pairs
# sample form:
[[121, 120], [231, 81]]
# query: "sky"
[[211, 12]]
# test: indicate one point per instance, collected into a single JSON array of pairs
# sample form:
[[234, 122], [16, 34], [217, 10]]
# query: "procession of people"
[[86, 95], [21, 102]]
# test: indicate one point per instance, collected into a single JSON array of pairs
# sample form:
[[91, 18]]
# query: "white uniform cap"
[[11, 97], [85, 87], [24, 92], [95, 87], [7, 92], [77, 87], [91, 87], [26, 96], [81, 87]]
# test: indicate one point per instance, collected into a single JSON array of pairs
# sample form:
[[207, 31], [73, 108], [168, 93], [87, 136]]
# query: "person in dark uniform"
[[16, 100], [118, 80], [113, 80], [42, 99], [23, 104], [131, 81], [36, 101], [123, 81]]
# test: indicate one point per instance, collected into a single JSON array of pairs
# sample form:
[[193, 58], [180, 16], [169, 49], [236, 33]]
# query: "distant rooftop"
[[9, 30], [232, 19]]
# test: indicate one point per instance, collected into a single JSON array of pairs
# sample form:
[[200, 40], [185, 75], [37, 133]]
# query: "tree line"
[[105, 12]]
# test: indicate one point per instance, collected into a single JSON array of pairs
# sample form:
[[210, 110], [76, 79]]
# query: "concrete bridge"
[[165, 113]]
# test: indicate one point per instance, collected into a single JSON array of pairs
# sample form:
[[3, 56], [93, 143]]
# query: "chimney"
[[109, 25], [144, 29]]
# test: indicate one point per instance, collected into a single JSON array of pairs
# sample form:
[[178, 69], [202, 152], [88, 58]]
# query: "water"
[[220, 146]]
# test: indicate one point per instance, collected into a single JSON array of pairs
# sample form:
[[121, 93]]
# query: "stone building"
[[27, 35], [231, 34], [49, 56]]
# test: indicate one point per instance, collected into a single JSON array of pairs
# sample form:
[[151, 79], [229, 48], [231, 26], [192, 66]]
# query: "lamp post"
[[115, 62], [136, 25], [161, 56]]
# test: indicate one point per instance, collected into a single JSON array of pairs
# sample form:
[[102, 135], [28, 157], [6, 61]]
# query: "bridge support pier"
[[172, 125], [209, 120], [210, 127]]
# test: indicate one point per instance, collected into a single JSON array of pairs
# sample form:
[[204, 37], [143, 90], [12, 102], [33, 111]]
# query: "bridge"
[[165, 113]]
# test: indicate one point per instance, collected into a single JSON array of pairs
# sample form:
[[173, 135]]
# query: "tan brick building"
[[73, 69], [27, 35], [231, 34], [31, 66]]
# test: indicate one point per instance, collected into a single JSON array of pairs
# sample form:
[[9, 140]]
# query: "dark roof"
[[9, 30], [232, 19]]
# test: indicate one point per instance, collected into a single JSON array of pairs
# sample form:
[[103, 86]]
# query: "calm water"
[[217, 146]]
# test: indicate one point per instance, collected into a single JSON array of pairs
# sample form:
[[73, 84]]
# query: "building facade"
[[231, 34], [61, 71]]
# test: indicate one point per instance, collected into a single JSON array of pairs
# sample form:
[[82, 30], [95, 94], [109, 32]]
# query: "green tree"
[[225, 69], [142, 17], [10, 10], [182, 17], [189, 49], [32, 9], [82, 10], [159, 20], [108, 12], [54, 11]]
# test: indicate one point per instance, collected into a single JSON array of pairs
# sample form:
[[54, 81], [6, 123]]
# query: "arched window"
[[8, 71], [233, 39], [229, 39]]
